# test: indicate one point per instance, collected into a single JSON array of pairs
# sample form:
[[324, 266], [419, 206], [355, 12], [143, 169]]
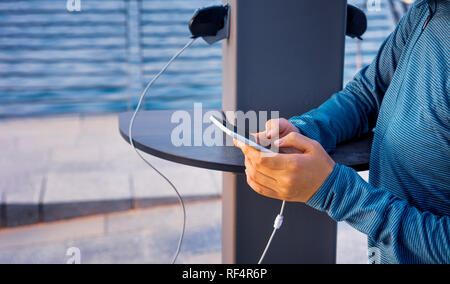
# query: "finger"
[[239, 144], [261, 138], [259, 177], [248, 163], [297, 141], [245, 148], [261, 189], [273, 128], [270, 161]]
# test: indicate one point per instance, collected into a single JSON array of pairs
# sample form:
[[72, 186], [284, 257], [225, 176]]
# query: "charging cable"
[[278, 220], [276, 225], [130, 134]]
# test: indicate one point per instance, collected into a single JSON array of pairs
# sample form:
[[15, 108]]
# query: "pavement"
[[140, 236], [72, 166], [136, 236]]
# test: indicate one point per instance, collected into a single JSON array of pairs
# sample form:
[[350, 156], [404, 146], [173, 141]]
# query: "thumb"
[[297, 141]]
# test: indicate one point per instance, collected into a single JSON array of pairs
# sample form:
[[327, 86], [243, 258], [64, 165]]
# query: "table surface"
[[152, 135]]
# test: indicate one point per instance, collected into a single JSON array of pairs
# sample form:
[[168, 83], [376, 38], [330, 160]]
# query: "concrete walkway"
[[141, 236], [64, 167], [138, 236]]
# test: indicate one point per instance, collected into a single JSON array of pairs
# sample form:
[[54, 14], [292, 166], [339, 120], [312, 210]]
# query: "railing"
[[98, 60], [55, 61], [197, 75]]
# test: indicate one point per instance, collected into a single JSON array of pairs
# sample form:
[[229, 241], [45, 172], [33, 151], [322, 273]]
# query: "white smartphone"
[[233, 132]]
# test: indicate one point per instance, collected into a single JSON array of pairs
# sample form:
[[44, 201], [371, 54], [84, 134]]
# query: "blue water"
[[53, 61]]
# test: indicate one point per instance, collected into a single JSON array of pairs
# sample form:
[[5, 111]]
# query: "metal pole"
[[284, 56]]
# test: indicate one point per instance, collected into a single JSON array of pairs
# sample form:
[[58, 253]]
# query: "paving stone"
[[76, 155], [205, 258], [125, 159], [352, 245], [8, 143], [51, 233], [151, 189], [2, 211], [140, 236], [47, 142], [21, 194], [18, 162], [70, 195], [86, 187], [26, 127], [102, 131], [35, 254], [85, 159], [97, 124]]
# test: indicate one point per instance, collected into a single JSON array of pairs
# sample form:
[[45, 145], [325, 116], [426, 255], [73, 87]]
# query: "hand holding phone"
[[233, 132]]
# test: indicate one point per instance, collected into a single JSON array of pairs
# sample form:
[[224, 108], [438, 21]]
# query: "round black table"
[[152, 135]]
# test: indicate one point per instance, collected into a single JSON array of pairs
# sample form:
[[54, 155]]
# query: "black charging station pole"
[[284, 56]]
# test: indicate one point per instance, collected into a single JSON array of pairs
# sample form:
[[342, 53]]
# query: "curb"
[[12, 215]]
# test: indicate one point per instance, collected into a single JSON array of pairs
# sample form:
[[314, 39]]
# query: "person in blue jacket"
[[403, 97]]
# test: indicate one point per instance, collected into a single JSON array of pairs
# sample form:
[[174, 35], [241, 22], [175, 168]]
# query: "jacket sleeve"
[[354, 111], [421, 236]]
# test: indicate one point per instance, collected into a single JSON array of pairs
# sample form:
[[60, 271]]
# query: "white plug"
[[278, 222]]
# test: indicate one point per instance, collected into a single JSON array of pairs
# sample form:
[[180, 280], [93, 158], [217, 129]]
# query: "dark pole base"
[[307, 236]]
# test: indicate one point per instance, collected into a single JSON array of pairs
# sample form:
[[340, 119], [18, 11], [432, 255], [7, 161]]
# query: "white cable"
[[276, 225], [130, 134], [278, 220]]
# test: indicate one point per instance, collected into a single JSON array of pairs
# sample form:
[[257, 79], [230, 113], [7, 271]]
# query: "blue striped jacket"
[[405, 208]]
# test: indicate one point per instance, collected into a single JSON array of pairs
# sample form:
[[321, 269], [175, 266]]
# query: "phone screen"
[[235, 129], [239, 134]]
